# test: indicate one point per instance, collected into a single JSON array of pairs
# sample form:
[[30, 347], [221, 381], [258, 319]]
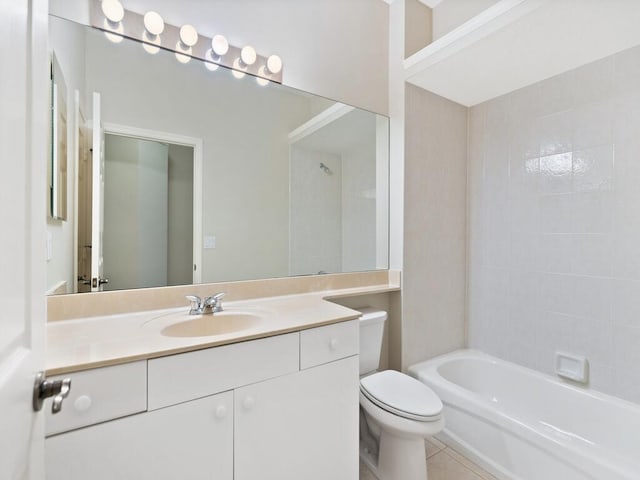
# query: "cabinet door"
[[193, 440], [300, 426]]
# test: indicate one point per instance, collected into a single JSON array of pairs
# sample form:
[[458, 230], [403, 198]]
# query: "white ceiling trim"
[[516, 43], [428, 3], [431, 3]]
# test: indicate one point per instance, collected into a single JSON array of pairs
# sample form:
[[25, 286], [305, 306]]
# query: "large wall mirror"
[[181, 174]]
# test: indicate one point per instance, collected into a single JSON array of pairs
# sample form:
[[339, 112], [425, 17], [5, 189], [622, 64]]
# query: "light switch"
[[209, 242]]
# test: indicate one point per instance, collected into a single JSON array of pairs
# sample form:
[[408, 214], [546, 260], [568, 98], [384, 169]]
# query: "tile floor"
[[443, 463]]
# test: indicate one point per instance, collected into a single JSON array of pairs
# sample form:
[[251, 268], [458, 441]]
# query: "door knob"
[[96, 282], [43, 389]]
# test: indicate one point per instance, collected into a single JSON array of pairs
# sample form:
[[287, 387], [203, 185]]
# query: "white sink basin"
[[212, 324], [207, 325]]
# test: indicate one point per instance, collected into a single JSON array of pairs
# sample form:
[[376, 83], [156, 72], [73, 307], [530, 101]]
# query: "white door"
[[97, 201], [23, 206], [136, 212]]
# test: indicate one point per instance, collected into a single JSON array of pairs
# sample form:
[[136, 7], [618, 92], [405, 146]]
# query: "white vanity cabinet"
[[300, 426], [192, 440], [281, 408]]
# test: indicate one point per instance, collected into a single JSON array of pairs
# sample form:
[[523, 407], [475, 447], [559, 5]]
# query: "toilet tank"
[[371, 330]]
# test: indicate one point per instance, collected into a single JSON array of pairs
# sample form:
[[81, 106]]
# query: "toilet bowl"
[[399, 411]]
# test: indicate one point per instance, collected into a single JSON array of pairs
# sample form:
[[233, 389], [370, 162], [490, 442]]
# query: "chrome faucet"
[[212, 304]]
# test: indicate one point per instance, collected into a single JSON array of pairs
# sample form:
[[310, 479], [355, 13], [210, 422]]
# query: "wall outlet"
[[209, 242]]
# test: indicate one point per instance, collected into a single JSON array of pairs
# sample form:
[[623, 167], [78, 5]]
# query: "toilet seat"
[[402, 395]]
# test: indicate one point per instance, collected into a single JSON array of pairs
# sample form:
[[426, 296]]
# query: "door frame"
[[175, 139]]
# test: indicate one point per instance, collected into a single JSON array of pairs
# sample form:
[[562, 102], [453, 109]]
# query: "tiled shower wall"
[[554, 205]]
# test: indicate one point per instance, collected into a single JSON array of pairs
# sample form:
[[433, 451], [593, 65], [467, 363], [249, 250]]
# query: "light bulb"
[[151, 43], [113, 33], [188, 35], [274, 64], [113, 10], [183, 55], [209, 61], [236, 69], [248, 55], [263, 76], [154, 23], [219, 45]]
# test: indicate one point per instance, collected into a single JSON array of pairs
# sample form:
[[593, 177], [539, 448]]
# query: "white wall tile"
[[555, 262], [592, 124], [626, 303], [557, 93], [626, 71], [591, 254], [556, 133], [591, 212], [593, 168], [555, 253], [593, 82], [556, 213], [556, 173]]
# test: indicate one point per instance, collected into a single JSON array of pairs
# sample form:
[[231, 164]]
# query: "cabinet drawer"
[[187, 376], [99, 395], [326, 344]]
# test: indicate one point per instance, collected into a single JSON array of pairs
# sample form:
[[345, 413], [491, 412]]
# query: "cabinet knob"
[[221, 411], [82, 403], [248, 402], [333, 344]]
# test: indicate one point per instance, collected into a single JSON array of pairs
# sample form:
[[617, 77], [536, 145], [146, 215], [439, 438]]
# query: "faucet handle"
[[196, 304], [218, 296], [214, 301]]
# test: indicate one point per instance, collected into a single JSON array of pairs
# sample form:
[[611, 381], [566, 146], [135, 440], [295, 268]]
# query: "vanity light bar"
[[184, 41]]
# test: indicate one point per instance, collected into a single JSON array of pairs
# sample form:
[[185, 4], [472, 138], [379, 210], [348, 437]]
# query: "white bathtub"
[[521, 424]]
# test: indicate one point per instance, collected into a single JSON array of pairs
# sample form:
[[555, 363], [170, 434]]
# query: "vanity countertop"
[[84, 343]]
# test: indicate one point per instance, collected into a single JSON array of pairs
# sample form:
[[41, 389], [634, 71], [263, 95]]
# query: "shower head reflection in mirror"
[[325, 169]]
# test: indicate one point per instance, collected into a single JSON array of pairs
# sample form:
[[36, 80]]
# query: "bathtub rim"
[[460, 398], [470, 353]]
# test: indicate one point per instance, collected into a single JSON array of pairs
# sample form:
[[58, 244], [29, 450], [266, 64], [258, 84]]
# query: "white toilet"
[[398, 410]]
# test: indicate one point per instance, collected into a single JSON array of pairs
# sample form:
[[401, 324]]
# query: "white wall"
[[450, 14], [69, 50], [246, 167], [359, 196], [316, 212], [418, 24], [396, 143], [434, 276], [554, 223], [333, 48]]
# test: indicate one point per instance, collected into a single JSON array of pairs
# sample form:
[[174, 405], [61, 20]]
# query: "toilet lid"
[[402, 395]]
